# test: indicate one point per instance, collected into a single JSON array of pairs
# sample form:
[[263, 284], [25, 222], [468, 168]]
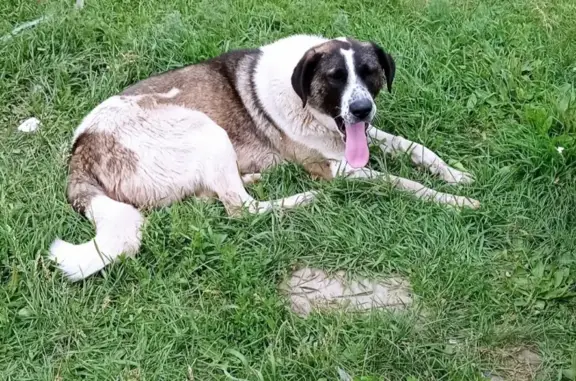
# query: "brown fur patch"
[[319, 170], [98, 165]]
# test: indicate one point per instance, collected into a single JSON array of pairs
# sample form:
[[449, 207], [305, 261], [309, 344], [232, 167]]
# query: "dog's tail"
[[117, 229]]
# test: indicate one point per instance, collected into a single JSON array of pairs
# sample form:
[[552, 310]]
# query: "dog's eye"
[[337, 75], [366, 70]]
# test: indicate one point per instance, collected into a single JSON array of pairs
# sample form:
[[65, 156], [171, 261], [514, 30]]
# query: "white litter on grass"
[[310, 289], [560, 150], [30, 24], [29, 125], [343, 375], [22, 27]]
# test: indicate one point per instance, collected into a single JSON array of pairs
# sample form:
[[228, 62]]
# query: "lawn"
[[487, 84]]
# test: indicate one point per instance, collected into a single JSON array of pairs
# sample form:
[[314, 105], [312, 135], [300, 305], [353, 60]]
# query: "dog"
[[209, 128]]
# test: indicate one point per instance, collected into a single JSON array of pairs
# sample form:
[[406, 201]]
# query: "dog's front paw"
[[454, 176]]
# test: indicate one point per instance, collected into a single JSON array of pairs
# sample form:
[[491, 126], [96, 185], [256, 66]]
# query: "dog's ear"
[[387, 63], [303, 74]]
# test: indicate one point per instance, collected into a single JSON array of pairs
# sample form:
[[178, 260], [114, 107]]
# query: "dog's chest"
[[311, 148], [315, 154]]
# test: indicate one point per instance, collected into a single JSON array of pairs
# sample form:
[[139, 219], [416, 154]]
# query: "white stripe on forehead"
[[351, 82], [349, 59], [355, 88]]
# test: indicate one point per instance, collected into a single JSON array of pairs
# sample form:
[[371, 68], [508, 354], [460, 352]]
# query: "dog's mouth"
[[356, 151]]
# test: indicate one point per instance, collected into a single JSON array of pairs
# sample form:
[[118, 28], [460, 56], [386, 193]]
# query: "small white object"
[[79, 4], [560, 150], [20, 28], [343, 375], [29, 125]]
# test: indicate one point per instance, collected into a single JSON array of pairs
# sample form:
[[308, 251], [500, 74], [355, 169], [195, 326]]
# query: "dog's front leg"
[[417, 189], [419, 154]]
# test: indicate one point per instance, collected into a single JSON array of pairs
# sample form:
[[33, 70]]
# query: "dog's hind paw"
[[302, 199], [465, 202], [454, 176]]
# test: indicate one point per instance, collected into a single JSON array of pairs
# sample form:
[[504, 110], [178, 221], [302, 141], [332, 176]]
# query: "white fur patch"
[[107, 116], [170, 94]]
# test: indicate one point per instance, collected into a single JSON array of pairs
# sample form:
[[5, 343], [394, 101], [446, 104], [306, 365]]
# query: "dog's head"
[[341, 78]]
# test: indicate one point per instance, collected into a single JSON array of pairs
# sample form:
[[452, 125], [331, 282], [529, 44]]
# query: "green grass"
[[489, 84]]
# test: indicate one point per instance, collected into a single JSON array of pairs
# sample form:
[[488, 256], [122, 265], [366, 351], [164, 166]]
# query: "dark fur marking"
[[387, 63], [257, 99]]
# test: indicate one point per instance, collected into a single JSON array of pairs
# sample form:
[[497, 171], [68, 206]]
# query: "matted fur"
[[205, 128]]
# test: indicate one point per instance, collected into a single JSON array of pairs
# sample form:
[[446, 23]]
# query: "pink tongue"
[[356, 151]]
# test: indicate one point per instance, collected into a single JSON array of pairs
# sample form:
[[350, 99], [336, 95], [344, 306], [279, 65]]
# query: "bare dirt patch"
[[312, 289], [514, 364]]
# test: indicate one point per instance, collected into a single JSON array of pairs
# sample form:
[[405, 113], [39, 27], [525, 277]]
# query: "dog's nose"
[[361, 108]]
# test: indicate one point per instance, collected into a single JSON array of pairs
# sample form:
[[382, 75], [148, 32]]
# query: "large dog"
[[209, 128]]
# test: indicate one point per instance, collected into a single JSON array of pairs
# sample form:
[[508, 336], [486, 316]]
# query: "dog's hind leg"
[[231, 192], [222, 177], [251, 178], [420, 155]]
